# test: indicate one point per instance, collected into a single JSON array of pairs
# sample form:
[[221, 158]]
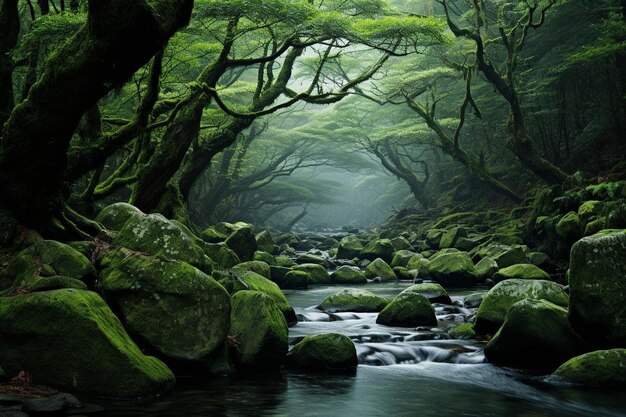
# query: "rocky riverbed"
[[445, 317]]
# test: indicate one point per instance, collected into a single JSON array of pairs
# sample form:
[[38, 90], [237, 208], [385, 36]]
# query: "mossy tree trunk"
[[119, 37], [9, 30]]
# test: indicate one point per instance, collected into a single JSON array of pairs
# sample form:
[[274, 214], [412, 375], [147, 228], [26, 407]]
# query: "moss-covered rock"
[[155, 235], [421, 265], [504, 255], [521, 271], [401, 243], [221, 254], [294, 280], [255, 282], [264, 257], [259, 267], [69, 339], [569, 226], [602, 368], [317, 274], [464, 331], [56, 283], [114, 216], [597, 282], [211, 235], [595, 226], [485, 268], [453, 269], [175, 308], [405, 274], [473, 300], [45, 258], [499, 299], [589, 210], [265, 242], [356, 300], [535, 334], [538, 258], [327, 352], [402, 257], [348, 275], [349, 247], [284, 261], [435, 293], [433, 237], [408, 309], [378, 248], [258, 330], [379, 269], [243, 242], [451, 237]]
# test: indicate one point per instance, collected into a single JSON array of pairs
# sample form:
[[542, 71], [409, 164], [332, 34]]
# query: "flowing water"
[[402, 372]]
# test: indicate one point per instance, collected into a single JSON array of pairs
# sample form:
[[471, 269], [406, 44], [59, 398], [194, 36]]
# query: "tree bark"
[[9, 30], [119, 37]]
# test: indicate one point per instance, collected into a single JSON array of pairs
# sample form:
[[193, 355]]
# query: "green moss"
[[451, 237], [243, 242], [535, 334], [569, 226], [408, 309], [463, 331], [521, 271], [597, 287], [435, 293], [265, 242], [378, 248], [379, 269], [402, 257], [504, 255], [264, 257], [221, 254], [328, 351], [156, 235], [284, 261], [69, 339], [173, 307], [348, 275], [317, 274], [258, 329], [211, 235], [349, 247], [453, 269], [114, 216], [295, 280], [401, 243], [589, 210], [259, 267], [56, 283], [600, 368], [485, 268], [356, 300], [499, 299], [255, 282], [46, 257]]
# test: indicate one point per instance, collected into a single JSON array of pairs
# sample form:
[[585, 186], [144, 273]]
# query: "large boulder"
[[293, 280], [45, 258], [114, 216], [408, 309], [380, 269], [602, 368], [504, 255], [252, 281], [521, 271], [499, 299], [485, 268], [378, 248], [451, 237], [69, 339], [589, 210], [259, 267], [349, 247], [265, 242], [535, 334], [176, 309], [568, 226], [356, 300], [402, 257], [258, 330], [454, 269], [211, 235], [348, 275], [155, 235], [327, 352], [597, 282], [221, 254], [435, 293], [317, 274], [243, 242]]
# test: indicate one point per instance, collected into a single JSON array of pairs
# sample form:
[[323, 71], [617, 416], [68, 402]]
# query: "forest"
[[313, 207]]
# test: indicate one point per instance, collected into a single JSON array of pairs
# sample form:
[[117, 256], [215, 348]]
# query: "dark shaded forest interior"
[[197, 195]]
